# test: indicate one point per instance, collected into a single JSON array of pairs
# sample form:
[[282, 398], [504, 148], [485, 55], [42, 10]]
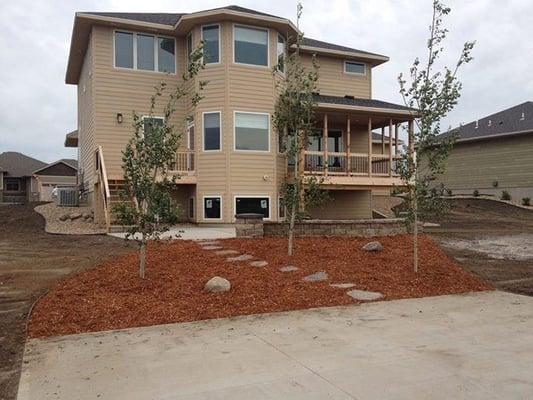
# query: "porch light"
[[119, 118]]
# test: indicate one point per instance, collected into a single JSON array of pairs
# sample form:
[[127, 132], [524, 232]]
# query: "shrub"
[[526, 201], [476, 193], [505, 195]]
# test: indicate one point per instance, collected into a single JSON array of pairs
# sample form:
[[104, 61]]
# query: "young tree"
[[294, 121], [434, 92], [146, 207]]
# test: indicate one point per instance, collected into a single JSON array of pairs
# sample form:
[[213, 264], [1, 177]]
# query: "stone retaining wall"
[[353, 228], [249, 225]]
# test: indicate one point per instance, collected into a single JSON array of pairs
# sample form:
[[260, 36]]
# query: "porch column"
[[396, 140], [369, 146], [383, 140], [390, 147], [348, 138], [325, 142]]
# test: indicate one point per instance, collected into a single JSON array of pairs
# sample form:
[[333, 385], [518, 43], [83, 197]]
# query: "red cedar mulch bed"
[[111, 296]]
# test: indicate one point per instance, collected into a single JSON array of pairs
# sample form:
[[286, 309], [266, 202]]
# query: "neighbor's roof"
[[512, 121], [18, 164], [180, 23], [67, 161], [71, 139], [354, 102]]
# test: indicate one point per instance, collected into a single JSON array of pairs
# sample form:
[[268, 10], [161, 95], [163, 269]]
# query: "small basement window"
[[212, 207], [352, 67], [254, 205]]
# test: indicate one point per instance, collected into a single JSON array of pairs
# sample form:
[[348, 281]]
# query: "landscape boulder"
[[217, 285], [64, 217], [75, 215], [316, 277], [373, 246]]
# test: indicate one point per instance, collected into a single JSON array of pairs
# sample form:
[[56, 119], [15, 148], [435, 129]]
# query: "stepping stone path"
[[364, 295], [212, 247], [316, 277], [217, 285], [342, 285], [242, 257], [258, 264], [226, 252], [209, 243], [373, 246], [288, 268]]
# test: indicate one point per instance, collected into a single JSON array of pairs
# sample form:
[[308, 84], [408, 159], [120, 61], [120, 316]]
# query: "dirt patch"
[[31, 261], [492, 240], [113, 297], [78, 226]]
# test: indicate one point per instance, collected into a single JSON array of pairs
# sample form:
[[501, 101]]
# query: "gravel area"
[[79, 226]]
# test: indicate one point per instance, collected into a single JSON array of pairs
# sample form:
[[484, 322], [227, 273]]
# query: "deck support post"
[[348, 139], [396, 139], [325, 143], [369, 146], [390, 147]]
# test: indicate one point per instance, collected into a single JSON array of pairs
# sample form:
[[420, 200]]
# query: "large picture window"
[[212, 207], [250, 46], [211, 38], [252, 131], [145, 52], [255, 205], [211, 131]]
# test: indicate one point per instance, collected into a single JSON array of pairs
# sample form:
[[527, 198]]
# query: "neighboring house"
[[24, 179], [62, 173], [493, 154], [230, 161]]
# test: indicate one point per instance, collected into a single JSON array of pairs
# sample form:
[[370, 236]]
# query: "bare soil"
[[493, 240], [32, 261], [112, 296]]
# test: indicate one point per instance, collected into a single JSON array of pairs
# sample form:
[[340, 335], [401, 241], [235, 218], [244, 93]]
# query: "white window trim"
[[284, 54], [156, 58], [354, 62], [188, 129], [268, 45], [235, 132], [219, 43], [219, 134], [214, 196], [152, 117], [279, 207], [253, 196]]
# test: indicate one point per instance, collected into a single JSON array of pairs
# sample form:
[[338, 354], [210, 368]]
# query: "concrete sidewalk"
[[194, 232], [476, 346]]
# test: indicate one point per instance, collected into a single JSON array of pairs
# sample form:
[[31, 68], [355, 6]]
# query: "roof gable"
[[18, 165]]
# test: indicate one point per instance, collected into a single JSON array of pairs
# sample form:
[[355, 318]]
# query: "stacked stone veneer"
[[249, 225]]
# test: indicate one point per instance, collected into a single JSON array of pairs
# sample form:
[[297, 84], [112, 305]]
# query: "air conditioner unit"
[[68, 197]]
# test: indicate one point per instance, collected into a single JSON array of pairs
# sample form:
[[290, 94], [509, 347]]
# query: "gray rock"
[[373, 246], [342, 285], [64, 217], [258, 264], [75, 215], [316, 277], [288, 268], [243, 257], [226, 252], [217, 285], [87, 215], [364, 295], [212, 247], [208, 243]]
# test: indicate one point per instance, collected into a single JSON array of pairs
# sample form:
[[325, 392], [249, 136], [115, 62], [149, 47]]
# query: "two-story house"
[[230, 160]]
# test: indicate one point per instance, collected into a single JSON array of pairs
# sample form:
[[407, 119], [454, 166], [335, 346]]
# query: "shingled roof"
[[330, 46], [512, 121], [19, 165], [357, 102]]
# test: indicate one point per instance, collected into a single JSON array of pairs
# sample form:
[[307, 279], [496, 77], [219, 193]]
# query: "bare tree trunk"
[[415, 233], [142, 258], [291, 229]]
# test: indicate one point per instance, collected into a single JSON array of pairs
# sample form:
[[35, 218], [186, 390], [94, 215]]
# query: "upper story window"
[[281, 50], [250, 46], [352, 67], [212, 131], [252, 131], [145, 52], [211, 38]]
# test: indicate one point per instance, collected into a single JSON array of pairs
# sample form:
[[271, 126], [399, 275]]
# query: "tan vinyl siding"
[[476, 165], [333, 81], [86, 119], [344, 204]]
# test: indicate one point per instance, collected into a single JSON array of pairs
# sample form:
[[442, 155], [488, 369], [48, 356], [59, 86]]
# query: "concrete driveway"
[[476, 346]]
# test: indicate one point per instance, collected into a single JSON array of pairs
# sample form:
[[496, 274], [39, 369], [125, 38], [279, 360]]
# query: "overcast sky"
[[38, 108]]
